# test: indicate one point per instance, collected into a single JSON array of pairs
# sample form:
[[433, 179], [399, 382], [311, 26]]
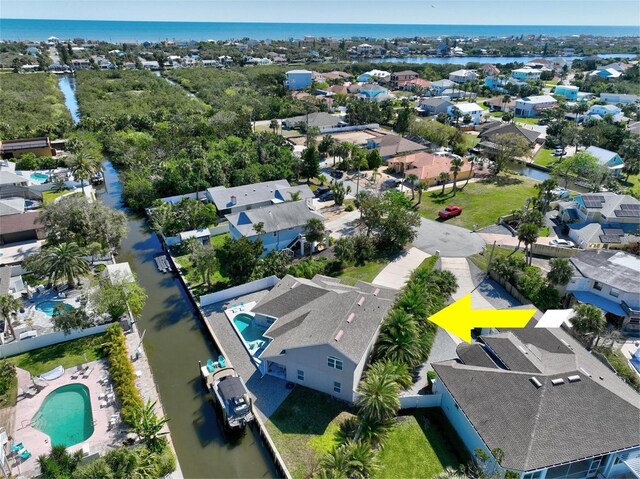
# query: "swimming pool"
[[65, 415], [248, 331], [39, 177], [48, 307]]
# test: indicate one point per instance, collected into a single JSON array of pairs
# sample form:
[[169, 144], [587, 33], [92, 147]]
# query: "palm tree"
[[59, 463], [398, 371], [590, 321], [314, 230], [399, 340], [83, 166], [450, 473], [443, 178], [378, 398], [473, 161], [560, 272], [420, 187], [505, 101], [337, 464], [413, 179], [274, 125], [375, 432], [63, 261], [363, 458], [147, 425], [528, 234], [413, 301], [296, 195], [94, 249], [9, 307], [456, 166]]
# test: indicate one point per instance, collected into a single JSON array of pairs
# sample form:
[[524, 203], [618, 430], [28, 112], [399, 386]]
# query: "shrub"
[[349, 208], [100, 268], [308, 268], [7, 376], [122, 373]]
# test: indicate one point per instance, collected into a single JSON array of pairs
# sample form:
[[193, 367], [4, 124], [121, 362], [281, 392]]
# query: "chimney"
[[233, 200]]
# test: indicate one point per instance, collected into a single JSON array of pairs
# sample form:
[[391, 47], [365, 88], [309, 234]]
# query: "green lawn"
[[352, 274], [470, 140], [428, 263], [196, 285], [633, 183], [420, 445], [620, 363], [218, 241], [481, 260], [68, 354], [304, 428], [482, 202], [9, 398], [50, 195], [545, 157], [530, 121]]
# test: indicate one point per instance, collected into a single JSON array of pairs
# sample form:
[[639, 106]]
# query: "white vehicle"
[[560, 193], [561, 243]]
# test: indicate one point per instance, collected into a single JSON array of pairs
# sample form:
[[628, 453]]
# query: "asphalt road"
[[449, 240]]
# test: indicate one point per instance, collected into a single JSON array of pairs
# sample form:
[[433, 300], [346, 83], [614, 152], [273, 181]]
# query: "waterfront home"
[[402, 77], [371, 91], [438, 87], [496, 83], [570, 92], [619, 98], [526, 73], [549, 406], [607, 158], [255, 195], [319, 119], [609, 280], [80, 64], [489, 69], [531, 106], [16, 148], [430, 106], [298, 79], [493, 130], [321, 333], [374, 76], [473, 110], [427, 167], [461, 76], [279, 226], [606, 73]]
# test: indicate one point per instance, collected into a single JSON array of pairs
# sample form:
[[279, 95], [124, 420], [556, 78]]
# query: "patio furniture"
[[104, 378], [87, 372], [17, 447], [103, 404], [78, 372], [24, 454]]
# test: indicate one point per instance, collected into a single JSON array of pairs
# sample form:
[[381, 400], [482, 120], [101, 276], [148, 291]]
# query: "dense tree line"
[[32, 105]]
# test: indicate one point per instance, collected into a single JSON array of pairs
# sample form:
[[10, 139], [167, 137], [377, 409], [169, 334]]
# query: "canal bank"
[[174, 342]]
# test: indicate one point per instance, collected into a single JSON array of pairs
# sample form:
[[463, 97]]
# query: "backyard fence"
[[25, 345], [420, 401], [553, 251], [240, 290]]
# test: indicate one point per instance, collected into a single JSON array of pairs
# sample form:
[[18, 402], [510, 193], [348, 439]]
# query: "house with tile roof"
[[609, 280], [552, 408], [278, 226], [320, 333], [427, 166]]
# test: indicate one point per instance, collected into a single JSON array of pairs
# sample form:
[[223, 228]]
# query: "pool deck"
[[267, 392], [37, 442]]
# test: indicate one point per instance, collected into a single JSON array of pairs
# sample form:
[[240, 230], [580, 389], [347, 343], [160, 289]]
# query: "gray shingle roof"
[[601, 154], [618, 269], [278, 217], [313, 312], [474, 355], [508, 351], [11, 206], [320, 119], [275, 191], [492, 130]]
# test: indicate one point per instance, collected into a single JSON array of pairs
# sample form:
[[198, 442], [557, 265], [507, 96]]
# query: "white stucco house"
[[531, 106], [472, 109]]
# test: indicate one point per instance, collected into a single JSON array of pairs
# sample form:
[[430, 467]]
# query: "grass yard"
[[482, 260], [68, 354], [621, 364], [429, 263], [304, 428], [352, 274], [420, 445], [470, 140], [545, 157], [50, 195], [528, 121], [633, 183], [198, 287], [482, 202], [9, 398]]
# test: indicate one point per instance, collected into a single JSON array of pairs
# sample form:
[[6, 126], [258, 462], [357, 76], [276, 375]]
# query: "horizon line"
[[321, 23]]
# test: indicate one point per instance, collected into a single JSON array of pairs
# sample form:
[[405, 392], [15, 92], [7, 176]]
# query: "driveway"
[[344, 225], [449, 240], [396, 273]]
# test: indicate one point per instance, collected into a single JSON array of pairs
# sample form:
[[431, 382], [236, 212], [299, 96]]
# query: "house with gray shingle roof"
[[278, 226], [321, 332], [550, 406], [607, 158]]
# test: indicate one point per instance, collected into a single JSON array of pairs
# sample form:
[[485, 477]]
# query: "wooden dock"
[[162, 263]]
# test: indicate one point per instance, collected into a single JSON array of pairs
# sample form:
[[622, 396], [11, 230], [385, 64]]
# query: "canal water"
[[419, 60], [175, 341]]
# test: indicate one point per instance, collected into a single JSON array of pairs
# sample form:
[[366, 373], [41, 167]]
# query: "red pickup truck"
[[449, 212]]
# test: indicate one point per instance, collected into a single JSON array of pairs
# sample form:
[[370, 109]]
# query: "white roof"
[[462, 72], [120, 272], [299, 71], [467, 107], [539, 99]]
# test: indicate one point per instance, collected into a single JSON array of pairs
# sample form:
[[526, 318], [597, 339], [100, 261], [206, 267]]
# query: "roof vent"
[[585, 372], [361, 301], [376, 291], [339, 335], [350, 318], [524, 351], [557, 381], [535, 382], [574, 379]]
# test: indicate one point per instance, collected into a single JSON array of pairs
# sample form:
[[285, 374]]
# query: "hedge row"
[[122, 373]]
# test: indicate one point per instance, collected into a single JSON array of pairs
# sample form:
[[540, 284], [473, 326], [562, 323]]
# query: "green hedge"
[[122, 373]]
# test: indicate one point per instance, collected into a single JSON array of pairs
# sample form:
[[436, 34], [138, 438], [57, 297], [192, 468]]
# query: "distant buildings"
[[299, 79], [472, 110], [568, 91], [608, 159], [401, 78], [532, 106], [526, 74], [461, 76]]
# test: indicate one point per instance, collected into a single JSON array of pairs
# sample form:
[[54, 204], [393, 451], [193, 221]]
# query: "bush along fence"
[[122, 373]]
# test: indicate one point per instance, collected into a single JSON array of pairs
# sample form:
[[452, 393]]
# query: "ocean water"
[[118, 31]]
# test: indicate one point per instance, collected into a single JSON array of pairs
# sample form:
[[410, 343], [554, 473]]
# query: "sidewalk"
[[396, 273]]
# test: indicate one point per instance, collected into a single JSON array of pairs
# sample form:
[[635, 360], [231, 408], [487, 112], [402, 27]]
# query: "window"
[[614, 292], [334, 363], [300, 375], [533, 475], [275, 233], [337, 387], [597, 286]]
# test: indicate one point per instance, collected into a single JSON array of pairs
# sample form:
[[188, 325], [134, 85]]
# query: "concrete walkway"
[[508, 240], [344, 225], [396, 273]]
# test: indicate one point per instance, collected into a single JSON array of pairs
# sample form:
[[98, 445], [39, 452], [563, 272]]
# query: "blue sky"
[[473, 12]]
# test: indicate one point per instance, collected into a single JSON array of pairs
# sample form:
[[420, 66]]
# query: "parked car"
[[560, 193], [449, 212], [321, 191], [559, 152], [327, 196], [562, 243], [391, 183], [337, 174]]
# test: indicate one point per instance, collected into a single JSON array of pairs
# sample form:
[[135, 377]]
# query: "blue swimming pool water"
[[48, 307], [248, 331], [65, 415], [39, 177]]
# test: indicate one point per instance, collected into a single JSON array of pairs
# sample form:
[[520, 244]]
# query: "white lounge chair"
[[87, 372]]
